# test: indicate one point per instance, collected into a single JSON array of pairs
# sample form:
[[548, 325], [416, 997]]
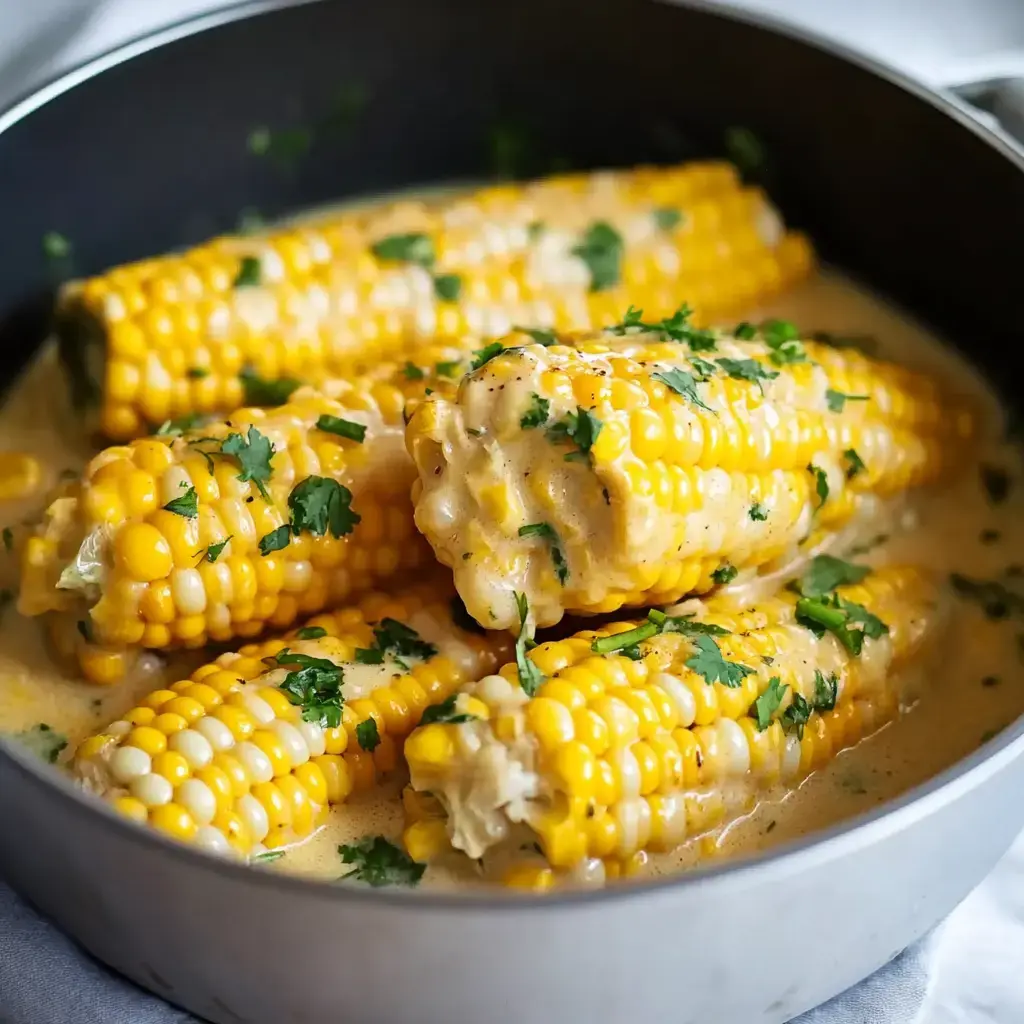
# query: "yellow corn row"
[[627, 469], [195, 332], [181, 539], [640, 746], [234, 760]]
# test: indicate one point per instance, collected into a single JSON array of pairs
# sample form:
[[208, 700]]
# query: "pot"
[[144, 150]]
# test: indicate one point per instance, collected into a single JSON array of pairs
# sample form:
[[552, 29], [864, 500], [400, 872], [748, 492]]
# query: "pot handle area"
[[994, 88]]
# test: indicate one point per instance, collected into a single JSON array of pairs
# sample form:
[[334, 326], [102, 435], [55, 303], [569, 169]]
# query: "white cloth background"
[[969, 970]]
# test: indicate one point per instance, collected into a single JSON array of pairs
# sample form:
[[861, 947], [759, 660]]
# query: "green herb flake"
[[826, 572], [783, 339], [725, 573], [746, 151], [836, 400], [253, 454], [343, 428], [276, 540], [539, 335], [213, 552], [250, 273], [409, 248], [627, 640], [320, 505], [601, 249], [581, 428], [757, 512], [530, 676], [546, 532], [537, 414], [448, 287], [849, 622], [367, 735], [55, 246], [763, 709], [667, 218], [683, 384], [676, 327], [412, 372], [826, 690], [42, 740], [446, 713], [197, 372], [266, 393], [854, 463], [797, 715], [378, 862], [747, 369], [820, 483], [314, 684], [449, 369], [187, 505], [744, 331], [311, 633], [484, 355], [267, 857], [175, 428], [709, 664]]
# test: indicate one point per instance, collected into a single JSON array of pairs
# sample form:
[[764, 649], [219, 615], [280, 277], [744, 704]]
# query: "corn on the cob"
[[632, 469], [652, 743], [247, 754], [174, 335], [177, 540]]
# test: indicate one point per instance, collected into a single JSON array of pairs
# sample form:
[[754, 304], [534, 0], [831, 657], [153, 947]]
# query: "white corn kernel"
[[152, 790], [129, 763], [255, 762], [193, 746], [197, 798]]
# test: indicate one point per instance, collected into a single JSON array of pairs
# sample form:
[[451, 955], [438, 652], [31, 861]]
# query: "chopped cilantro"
[[446, 712], [758, 512], [703, 370], [213, 552], [601, 250], [341, 427], [657, 622], [175, 428], [683, 384], [746, 151], [367, 735], [581, 428], [310, 633], [43, 741], [276, 540], [314, 684], [412, 372], [197, 372], [410, 248], [320, 505], [261, 392], [747, 369], [849, 622], [448, 368], [250, 273], [768, 703], [783, 339], [825, 573], [725, 573], [540, 335], [744, 331], [666, 217], [530, 676], [708, 663], [547, 533], [537, 414], [854, 463], [627, 640], [187, 505], [836, 400], [266, 857], [484, 355], [377, 862], [448, 287], [820, 483], [462, 618], [996, 482], [826, 690], [391, 637], [677, 327], [253, 454], [797, 715]]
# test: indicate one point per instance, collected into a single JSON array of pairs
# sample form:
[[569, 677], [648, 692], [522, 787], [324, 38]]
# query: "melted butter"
[[978, 690]]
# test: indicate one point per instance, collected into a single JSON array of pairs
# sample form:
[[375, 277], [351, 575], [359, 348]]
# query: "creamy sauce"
[[978, 689]]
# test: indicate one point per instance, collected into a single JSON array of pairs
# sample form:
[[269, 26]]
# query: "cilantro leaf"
[[676, 327], [836, 400], [187, 505], [314, 684], [175, 428], [580, 427], [407, 248], [537, 414], [708, 663], [446, 712], [627, 640], [540, 335], [197, 372], [530, 676], [666, 217], [320, 505], [825, 572], [310, 633], [266, 393], [758, 512], [826, 690], [783, 339], [43, 741], [601, 249], [854, 463], [377, 862], [484, 355], [725, 573], [213, 552], [397, 639], [820, 483], [253, 454], [447, 369], [747, 369], [547, 532], [744, 331], [796, 716], [657, 622], [250, 273], [412, 372], [746, 151], [367, 735], [448, 287], [276, 540], [341, 427], [768, 703], [849, 622], [682, 383]]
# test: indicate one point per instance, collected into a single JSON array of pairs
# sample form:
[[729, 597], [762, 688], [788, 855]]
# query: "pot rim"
[[776, 863]]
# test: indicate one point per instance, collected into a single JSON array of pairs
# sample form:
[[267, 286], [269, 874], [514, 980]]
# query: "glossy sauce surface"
[[974, 688]]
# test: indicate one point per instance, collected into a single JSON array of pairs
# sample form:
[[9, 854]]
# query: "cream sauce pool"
[[978, 690]]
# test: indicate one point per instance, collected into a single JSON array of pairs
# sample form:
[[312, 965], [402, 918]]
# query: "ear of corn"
[[616, 755], [175, 335], [627, 469], [228, 760], [175, 541]]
